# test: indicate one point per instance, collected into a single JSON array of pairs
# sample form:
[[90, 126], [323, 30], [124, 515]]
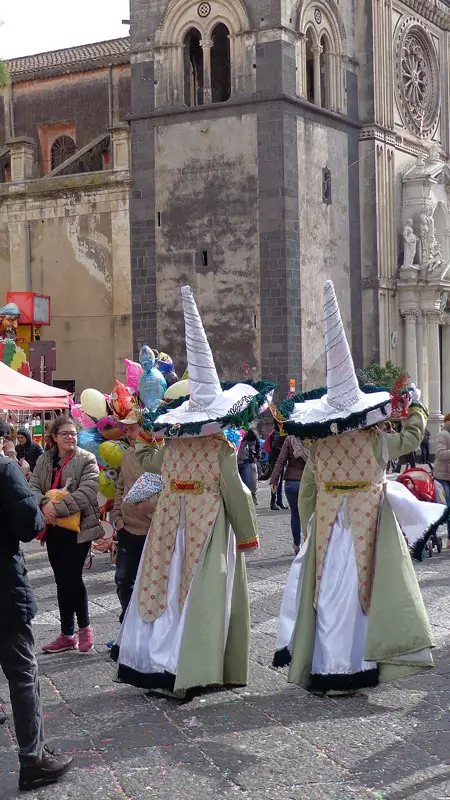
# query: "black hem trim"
[[149, 681], [344, 683], [418, 549], [282, 658]]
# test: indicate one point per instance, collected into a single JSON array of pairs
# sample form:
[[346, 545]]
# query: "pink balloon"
[[134, 372], [80, 416]]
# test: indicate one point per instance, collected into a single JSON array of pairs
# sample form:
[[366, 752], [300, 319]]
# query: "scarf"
[[299, 449]]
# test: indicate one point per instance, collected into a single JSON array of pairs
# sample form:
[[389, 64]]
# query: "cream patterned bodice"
[[191, 478], [346, 467]]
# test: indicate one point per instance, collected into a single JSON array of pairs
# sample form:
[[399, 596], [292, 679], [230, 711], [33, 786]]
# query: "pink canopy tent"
[[19, 393]]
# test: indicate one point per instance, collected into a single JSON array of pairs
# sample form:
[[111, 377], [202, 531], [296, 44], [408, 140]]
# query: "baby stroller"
[[420, 482]]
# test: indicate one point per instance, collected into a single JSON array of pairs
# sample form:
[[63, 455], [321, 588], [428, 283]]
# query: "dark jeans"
[[245, 471], [425, 452], [291, 489], [129, 551], [18, 662], [279, 493], [67, 559]]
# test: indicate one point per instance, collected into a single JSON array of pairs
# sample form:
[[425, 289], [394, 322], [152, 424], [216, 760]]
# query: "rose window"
[[417, 84]]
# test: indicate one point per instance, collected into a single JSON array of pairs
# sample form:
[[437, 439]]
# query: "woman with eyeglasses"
[[65, 466]]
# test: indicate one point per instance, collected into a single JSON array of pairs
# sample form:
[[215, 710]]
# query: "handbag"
[[55, 495]]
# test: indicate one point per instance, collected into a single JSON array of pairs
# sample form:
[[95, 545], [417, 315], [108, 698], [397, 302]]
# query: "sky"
[[35, 26]]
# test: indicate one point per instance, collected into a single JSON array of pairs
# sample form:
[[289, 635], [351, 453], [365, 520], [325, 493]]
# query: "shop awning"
[[19, 393]]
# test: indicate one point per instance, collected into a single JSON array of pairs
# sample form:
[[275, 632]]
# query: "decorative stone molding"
[[417, 80], [410, 314], [184, 14], [435, 11]]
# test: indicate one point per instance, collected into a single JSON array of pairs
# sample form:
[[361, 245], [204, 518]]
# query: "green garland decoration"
[[240, 419]]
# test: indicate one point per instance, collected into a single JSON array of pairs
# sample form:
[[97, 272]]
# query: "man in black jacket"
[[21, 520]]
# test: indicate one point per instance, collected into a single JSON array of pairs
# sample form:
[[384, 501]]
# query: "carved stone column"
[[434, 370], [410, 317], [317, 52], [422, 357], [300, 49], [206, 45], [446, 369]]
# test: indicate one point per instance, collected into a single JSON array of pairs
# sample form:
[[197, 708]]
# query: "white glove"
[[414, 394]]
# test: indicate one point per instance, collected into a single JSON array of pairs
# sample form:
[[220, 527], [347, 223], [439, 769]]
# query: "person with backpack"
[[21, 521]]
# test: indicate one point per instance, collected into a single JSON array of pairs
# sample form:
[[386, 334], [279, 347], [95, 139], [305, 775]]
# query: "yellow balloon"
[[179, 389], [111, 453], [106, 486], [93, 403]]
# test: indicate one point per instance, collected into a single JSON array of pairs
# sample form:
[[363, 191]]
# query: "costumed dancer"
[[352, 613], [188, 623]]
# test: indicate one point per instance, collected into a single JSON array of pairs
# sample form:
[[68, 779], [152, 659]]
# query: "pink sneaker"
[[61, 644], [86, 639]]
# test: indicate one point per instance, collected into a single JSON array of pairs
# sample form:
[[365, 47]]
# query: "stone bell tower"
[[242, 133]]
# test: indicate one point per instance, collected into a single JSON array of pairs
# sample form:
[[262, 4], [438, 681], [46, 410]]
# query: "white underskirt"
[[341, 625], [154, 647]]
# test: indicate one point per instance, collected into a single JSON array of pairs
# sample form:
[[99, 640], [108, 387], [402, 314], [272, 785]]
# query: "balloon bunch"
[[103, 418], [102, 432]]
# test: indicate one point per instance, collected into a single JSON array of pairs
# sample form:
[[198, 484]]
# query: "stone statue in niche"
[[424, 240], [410, 244], [430, 248]]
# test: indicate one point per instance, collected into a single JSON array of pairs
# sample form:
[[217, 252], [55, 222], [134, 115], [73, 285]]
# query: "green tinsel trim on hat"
[[336, 426], [239, 418]]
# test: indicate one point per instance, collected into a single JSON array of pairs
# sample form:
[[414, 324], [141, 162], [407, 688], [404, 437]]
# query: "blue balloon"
[[152, 385], [90, 439]]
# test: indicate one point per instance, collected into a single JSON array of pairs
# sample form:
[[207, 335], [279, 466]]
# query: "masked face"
[[8, 327]]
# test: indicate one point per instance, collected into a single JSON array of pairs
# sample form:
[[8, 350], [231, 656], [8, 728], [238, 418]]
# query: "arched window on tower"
[[220, 64], [193, 68], [321, 51], [62, 148], [309, 66]]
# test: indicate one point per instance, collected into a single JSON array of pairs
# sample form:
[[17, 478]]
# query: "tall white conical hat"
[[204, 384], [342, 384], [209, 407], [345, 406]]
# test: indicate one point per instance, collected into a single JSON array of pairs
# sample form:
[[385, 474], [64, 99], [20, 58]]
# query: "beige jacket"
[[136, 516], [442, 460], [80, 476]]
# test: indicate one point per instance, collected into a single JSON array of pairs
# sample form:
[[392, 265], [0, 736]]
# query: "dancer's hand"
[[414, 394]]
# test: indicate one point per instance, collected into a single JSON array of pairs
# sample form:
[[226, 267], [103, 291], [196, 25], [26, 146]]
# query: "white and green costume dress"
[[352, 613], [188, 623]]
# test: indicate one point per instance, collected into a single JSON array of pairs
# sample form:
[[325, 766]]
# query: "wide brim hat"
[[343, 405], [210, 406]]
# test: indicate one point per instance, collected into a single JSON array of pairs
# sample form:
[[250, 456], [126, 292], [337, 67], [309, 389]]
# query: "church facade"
[[278, 144]]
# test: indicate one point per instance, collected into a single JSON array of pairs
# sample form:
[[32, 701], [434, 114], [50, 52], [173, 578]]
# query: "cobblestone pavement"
[[269, 740]]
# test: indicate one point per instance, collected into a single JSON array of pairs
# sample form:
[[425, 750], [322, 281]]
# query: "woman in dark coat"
[[27, 449]]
